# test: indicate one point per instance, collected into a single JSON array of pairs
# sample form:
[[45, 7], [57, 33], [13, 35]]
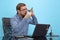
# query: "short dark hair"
[[18, 7]]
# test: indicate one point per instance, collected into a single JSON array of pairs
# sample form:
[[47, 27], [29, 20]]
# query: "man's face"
[[23, 10]]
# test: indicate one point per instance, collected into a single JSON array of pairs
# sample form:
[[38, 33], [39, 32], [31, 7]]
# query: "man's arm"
[[33, 20]]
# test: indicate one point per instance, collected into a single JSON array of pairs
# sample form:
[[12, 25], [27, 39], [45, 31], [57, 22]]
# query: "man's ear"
[[18, 11]]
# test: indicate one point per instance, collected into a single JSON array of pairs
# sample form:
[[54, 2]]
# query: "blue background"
[[46, 11]]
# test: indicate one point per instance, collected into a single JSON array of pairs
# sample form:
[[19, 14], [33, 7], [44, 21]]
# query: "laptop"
[[40, 30]]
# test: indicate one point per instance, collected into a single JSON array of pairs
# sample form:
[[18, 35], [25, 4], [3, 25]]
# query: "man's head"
[[21, 9]]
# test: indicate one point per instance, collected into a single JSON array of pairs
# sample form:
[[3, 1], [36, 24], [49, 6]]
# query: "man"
[[21, 20]]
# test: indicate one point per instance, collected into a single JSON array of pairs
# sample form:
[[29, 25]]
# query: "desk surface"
[[41, 38]]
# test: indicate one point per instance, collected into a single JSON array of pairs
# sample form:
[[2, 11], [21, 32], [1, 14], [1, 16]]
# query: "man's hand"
[[32, 14], [29, 14]]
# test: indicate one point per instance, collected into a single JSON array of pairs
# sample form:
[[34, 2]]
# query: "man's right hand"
[[28, 15]]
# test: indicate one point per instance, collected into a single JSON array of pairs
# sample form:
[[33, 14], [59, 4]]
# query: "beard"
[[23, 15]]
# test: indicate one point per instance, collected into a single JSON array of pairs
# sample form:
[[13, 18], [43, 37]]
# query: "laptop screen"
[[41, 29]]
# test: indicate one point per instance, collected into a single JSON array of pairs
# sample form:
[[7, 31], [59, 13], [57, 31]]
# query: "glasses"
[[27, 9], [23, 9]]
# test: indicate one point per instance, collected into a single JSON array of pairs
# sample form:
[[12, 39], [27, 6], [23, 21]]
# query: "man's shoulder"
[[14, 17]]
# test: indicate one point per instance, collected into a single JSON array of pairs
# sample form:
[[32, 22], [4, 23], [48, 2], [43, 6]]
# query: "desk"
[[40, 38]]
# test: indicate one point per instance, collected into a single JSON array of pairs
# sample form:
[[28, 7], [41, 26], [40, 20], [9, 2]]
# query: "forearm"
[[34, 19]]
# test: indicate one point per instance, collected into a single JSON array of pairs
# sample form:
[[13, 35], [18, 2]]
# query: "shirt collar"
[[19, 17]]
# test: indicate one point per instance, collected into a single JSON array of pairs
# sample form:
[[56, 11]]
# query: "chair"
[[6, 28]]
